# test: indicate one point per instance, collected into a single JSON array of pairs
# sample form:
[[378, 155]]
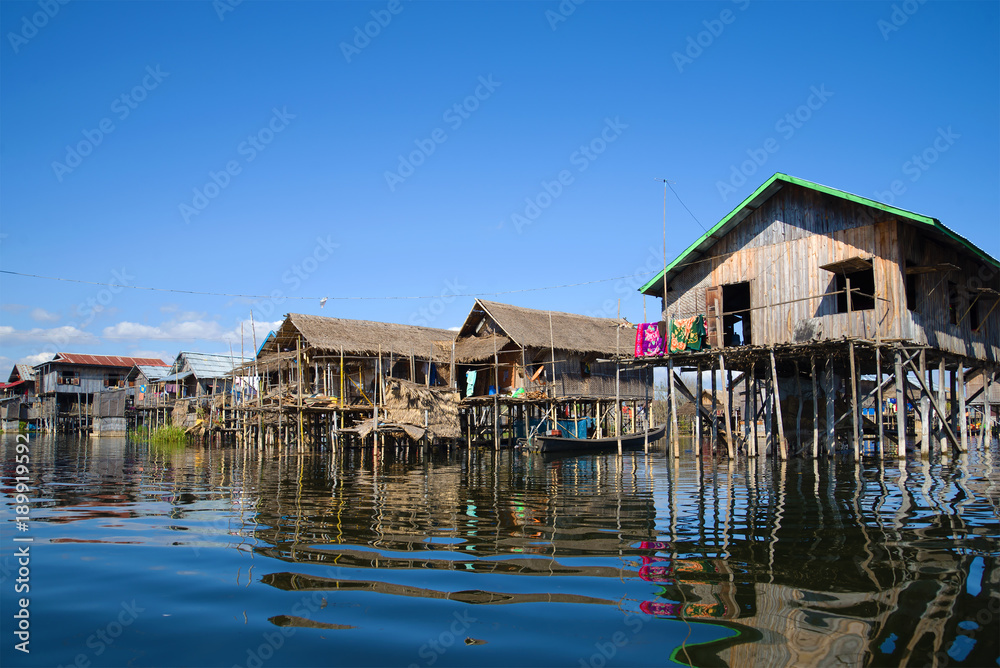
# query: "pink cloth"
[[648, 340]]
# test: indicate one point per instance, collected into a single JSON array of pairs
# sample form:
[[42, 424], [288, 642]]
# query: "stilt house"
[[804, 272], [502, 349]]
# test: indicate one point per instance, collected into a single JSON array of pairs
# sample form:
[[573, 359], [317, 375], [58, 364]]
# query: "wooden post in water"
[[725, 407], [900, 406], [697, 413], [925, 410], [747, 414], [715, 413], [753, 408], [987, 428], [798, 410], [831, 417], [942, 417], [963, 424], [675, 441], [782, 442], [879, 416], [855, 415], [815, 403]]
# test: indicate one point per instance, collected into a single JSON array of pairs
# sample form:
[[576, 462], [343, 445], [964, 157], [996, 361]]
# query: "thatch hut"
[[503, 348]]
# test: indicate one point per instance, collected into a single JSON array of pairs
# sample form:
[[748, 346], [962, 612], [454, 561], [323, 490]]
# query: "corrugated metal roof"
[[21, 372], [153, 372], [655, 285], [174, 377], [104, 360], [208, 365]]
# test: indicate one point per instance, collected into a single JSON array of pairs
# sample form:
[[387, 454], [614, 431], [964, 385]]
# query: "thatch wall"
[[405, 403]]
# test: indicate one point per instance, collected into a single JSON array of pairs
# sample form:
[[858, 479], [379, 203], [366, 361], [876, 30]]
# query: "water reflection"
[[640, 556]]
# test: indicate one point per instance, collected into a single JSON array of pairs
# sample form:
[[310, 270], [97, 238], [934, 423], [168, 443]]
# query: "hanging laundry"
[[687, 334], [470, 380], [649, 340]]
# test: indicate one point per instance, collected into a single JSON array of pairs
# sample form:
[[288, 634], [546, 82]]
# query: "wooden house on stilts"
[[321, 377], [802, 290], [519, 369]]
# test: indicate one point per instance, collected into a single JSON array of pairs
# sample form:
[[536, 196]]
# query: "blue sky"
[[435, 149]]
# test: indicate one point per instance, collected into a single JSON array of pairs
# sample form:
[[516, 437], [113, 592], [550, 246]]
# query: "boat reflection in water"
[[409, 557]]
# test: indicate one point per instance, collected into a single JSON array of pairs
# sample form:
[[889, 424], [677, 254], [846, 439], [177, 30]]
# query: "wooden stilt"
[[925, 410], [782, 442], [987, 428], [798, 411], [831, 425], [855, 415], [942, 402], [697, 413], [900, 406], [725, 408], [815, 403], [747, 414], [674, 434], [715, 414], [879, 417], [963, 423], [753, 409]]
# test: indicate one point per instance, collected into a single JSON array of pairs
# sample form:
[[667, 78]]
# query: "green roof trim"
[[768, 188]]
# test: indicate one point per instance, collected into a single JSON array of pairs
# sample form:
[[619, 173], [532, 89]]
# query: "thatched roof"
[[529, 328], [478, 348], [361, 337]]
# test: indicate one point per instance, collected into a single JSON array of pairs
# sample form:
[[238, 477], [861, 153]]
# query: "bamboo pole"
[[879, 414], [815, 403], [715, 413], [900, 406], [725, 406], [674, 432], [942, 417], [697, 413], [776, 401], [963, 423], [925, 409], [831, 424], [986, 431], [855, 417]]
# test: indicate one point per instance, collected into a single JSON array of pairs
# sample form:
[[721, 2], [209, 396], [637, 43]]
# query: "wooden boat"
[[542, 443]]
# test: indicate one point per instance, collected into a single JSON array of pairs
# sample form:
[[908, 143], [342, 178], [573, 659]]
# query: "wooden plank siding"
[[780, 248]]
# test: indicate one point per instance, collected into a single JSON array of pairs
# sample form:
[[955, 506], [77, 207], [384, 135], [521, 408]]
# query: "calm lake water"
[[196, 556]]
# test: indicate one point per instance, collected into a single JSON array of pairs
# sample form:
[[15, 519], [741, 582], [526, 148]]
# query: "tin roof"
[[207, 365], [21, 372], [149, 371], [103, 360]]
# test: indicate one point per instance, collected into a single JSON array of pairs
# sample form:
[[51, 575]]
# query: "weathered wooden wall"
[[780, 248]]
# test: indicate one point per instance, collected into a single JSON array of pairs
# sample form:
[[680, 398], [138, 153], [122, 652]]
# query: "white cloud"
[[36, 359], [161, 354], [191, 330], [41, 315], [60, 336]]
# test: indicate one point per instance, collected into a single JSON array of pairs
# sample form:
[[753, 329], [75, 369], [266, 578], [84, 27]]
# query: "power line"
[[324, 298]]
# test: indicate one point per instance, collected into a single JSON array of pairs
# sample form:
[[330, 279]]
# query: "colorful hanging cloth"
[[649, 341], [687, 334]]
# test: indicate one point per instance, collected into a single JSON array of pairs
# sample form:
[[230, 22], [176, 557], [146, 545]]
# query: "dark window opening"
[[862, 290], [974, 314], [736, 315], [911, 290]]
